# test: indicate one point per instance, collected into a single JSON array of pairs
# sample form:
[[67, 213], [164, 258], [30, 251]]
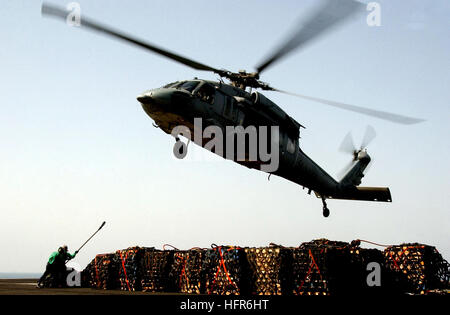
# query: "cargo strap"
[[222, 264], [164, 247], [373, 243], [394, 260], [313, 264], [335, 246], [124, 269], [183, 269]]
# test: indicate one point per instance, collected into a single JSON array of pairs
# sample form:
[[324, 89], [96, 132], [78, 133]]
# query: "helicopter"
[[238, 104]]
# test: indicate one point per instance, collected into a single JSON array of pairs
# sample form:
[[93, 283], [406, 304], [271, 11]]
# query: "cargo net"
[[318, 267], [130, 271], [187, 272], [156, 266], [269, 269], [362, 262], [419, 268], [101, 272], [225, 270]]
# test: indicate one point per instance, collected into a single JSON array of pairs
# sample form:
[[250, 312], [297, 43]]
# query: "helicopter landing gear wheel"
[[326, 211]]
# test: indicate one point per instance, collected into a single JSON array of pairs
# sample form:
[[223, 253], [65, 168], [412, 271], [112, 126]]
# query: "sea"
[[19, 275]]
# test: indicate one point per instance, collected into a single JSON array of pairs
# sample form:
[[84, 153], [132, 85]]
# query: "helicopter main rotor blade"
[[405, 120], [328, 15], [60, 13]]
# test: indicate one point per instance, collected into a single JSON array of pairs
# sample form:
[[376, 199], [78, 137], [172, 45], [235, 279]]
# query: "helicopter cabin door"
[[232, 111], [229, 108]]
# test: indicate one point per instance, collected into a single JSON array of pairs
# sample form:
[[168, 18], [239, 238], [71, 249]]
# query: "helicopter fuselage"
[[222, 105], [226, 107], [229, 109]]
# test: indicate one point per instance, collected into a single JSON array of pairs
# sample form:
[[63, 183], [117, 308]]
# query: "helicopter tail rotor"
[[347, 146]]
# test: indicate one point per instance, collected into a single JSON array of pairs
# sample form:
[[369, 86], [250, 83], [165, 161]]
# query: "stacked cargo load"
[[270, 270], [130, 268], [364, 261], [101, 272], [418, 268], [226, 271], [187, 271], [321, 267], [156, 266], [371, 272]]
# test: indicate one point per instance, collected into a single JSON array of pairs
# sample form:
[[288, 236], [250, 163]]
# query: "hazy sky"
[[77, 148]]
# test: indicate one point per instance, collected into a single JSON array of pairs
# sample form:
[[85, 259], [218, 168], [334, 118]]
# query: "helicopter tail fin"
[[355, 174]]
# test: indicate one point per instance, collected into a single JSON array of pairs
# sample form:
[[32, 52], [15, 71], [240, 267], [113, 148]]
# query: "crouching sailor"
[[56, 267]]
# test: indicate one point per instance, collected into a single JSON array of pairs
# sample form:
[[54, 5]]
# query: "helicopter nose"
[[155, 97], [144, 98]]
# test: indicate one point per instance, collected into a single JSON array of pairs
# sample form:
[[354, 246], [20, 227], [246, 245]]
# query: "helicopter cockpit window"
[[290, 146], [188, 85], [206, 93], [171, 85]]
